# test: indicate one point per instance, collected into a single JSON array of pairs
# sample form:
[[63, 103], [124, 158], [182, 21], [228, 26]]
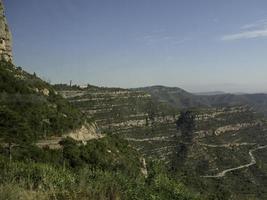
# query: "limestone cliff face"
[[5, 37]]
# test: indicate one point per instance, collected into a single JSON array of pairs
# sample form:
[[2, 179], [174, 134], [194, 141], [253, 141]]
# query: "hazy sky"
[[200, 45]]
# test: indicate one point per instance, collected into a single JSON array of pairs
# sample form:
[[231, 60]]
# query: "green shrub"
[[35, 175], [23, 98]]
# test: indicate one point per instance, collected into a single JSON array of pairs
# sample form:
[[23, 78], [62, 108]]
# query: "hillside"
[[31, 109], [224, 150], [39, 160], [148, 125], [193, 143], [176, 97], [182, 99], [61, 142], [51, 150]]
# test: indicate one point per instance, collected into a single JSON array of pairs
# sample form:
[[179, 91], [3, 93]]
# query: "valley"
[[208, 142], [253, 161], [60, 141]]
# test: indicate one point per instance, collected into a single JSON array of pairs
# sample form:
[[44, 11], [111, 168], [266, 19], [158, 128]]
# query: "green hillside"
[[150, 150], [30, 108], [192, 144], [107, 168], [147, 124], [69, 142], [182, 99]]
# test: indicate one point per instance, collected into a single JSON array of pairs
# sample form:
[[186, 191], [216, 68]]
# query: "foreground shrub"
[[35, 175]]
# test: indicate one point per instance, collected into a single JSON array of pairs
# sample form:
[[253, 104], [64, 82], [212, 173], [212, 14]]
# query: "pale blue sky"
[[198, 45]]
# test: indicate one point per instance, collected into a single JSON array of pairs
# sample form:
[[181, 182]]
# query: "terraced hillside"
[[238, 168], [221, 147], [148, 126], [43, 154], [211, 149], [50, 150], [151, 126]]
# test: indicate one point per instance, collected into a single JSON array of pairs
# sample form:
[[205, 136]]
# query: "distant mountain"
[[174, 96], [182, 99], [257, 101], [210, 93]]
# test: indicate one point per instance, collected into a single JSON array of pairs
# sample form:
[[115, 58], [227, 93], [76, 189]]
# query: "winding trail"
[[252, 162], [162, 138]]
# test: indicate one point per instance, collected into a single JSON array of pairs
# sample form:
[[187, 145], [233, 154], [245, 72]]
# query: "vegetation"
[[182, 99], [30, 108], [161, 132], [103, 169], [110, 167]]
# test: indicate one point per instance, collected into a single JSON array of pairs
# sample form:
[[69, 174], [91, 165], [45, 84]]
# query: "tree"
[[185, 125], [13, 129], [71, 152]]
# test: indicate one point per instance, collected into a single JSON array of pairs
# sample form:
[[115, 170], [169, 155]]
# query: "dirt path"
[[228, 145], [162, 138]]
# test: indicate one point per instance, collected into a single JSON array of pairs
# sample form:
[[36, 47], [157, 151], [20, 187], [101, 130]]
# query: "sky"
[[207, 45]]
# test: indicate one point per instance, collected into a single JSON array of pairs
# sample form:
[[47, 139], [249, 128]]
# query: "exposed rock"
[[216, 112], [235, 127], [144, 167], [5, 37], [225, 129], [45, 92], [85, 133]]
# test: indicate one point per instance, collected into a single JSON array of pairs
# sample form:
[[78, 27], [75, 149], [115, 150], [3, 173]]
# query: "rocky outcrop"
[[226, 129], [5, 37], [235, 127], [144, 167], [85, 133], [217, 112]]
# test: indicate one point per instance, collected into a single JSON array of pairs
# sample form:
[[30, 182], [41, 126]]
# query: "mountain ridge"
[[178, 97]]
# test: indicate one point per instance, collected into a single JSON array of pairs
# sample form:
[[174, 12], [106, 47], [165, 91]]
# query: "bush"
[[35, 175]]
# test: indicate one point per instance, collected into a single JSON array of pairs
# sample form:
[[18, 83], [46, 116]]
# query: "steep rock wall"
[[5, 37]]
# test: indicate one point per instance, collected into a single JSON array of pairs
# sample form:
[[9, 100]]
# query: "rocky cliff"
[[5, 37]]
